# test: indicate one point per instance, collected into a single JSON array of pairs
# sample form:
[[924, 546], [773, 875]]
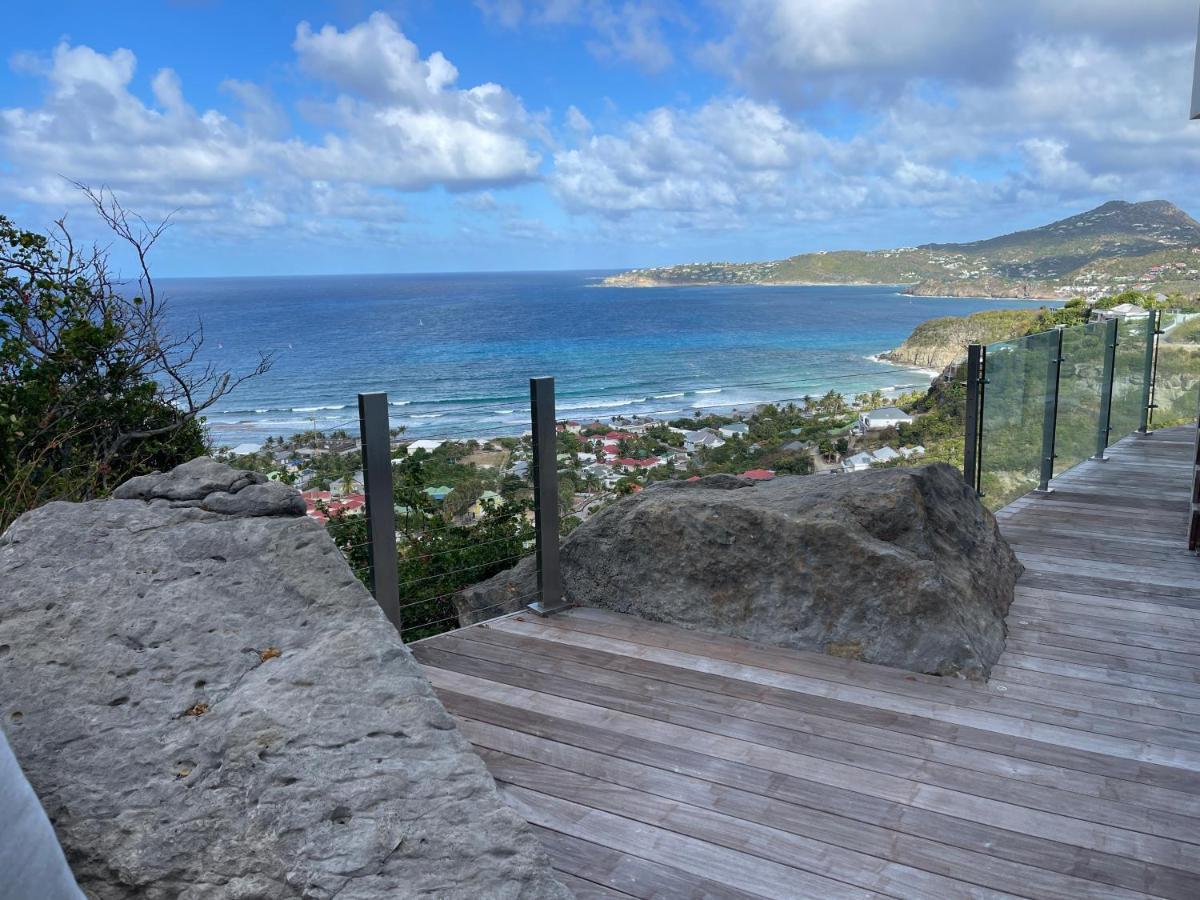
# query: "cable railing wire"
[[479, 565], [446, 596], [455, 618]]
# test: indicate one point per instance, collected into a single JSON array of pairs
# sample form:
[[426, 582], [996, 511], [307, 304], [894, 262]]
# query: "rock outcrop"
[[938, 343], [902, 567], [210, 705]]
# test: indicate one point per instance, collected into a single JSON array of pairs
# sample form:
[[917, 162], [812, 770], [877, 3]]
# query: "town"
[[460, 481]]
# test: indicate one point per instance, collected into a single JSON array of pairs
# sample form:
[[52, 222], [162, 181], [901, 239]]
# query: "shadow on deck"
[[658, 762]]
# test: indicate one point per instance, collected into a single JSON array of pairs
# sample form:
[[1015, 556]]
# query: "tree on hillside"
[[93, 387]]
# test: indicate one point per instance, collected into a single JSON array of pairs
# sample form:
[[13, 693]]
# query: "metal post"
[[973, 416], [1050, 413], [1148, 373], [381, 511], [545, 497], [1104, 426]]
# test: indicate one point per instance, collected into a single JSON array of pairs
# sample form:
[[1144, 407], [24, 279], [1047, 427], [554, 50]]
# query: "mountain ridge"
[[1150, 245]]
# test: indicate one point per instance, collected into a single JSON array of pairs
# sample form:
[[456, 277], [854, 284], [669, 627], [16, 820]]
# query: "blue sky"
[[309, 137]]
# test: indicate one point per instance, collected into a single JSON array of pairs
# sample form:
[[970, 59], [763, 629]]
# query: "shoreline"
[[250, 432], [833, 284]]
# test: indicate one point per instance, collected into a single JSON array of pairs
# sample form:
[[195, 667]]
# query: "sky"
[[432, 135]]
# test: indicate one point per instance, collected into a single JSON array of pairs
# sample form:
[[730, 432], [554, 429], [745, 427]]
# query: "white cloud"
[[799, 52], [728, 157], [397, 121], [1052, 113]]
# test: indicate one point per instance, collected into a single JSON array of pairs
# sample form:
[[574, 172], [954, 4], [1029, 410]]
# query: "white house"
[[245, 449], [885, 417], [885, 454], [910, 452], [427, 445], [859, 462], [1124, 311], [694, 440], [737, 429]]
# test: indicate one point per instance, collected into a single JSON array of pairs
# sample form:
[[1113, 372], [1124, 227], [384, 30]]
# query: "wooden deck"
[[658, 762]]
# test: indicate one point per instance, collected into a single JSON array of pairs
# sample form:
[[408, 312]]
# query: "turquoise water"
[[455, 352]]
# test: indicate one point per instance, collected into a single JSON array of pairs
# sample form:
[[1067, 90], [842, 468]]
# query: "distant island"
[[1150, 246]]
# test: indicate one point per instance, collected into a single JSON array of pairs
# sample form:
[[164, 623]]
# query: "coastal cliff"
[[984, 287], [940, 342]]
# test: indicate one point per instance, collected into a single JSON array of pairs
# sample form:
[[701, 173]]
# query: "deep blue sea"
[[455, 352]]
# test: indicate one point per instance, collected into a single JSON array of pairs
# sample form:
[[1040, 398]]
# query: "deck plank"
[[654, 761]]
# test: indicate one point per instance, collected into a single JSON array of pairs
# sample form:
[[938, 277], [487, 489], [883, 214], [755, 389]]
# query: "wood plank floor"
[[658, 762]]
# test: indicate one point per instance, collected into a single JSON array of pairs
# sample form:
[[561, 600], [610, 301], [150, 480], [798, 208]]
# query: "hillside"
[[937, 343], [1151, 246]]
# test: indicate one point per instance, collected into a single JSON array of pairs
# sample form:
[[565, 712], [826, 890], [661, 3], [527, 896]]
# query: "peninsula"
[[1149, 246]]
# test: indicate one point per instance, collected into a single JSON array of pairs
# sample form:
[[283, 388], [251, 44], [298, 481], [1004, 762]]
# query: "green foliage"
[[437, 559], [92, 390], [1118, 243]]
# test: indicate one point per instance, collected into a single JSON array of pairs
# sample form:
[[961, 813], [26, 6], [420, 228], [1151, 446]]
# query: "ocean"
[[455, 352]]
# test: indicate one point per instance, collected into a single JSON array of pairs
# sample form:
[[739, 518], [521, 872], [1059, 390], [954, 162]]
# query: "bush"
[[93, 390]]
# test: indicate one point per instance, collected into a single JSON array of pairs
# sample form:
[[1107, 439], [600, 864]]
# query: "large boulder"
[[209, 704], [903, 566]]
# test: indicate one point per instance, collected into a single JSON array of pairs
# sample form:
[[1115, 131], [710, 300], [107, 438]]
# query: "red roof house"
[[759, 474]]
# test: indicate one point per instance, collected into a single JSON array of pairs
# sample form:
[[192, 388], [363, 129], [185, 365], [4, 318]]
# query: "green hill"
[[1151, 246]]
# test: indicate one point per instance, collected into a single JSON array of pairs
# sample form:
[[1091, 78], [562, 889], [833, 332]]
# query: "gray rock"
[[506, 592], [212, 706], [270, 499], [902, 566], [193, 480]]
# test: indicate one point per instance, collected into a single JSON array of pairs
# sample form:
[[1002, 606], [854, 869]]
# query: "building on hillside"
[[439, 493], [859, 462], [735, 429], [424, 444], [478, 509], [345, 505], [704, 438], [911, 452], [884, 417], [759, 474], [1123, 311], [885, 454]]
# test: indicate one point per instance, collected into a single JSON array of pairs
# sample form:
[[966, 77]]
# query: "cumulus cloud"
[[396, 120], [976, 118], [706, 167], [800, 52]]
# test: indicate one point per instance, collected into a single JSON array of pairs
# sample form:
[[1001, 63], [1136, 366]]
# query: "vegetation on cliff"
[[937, 343], [1115, 247]]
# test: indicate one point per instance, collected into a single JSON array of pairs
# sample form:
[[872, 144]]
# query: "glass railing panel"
[[1129, 377], [1177, 373], [1080, 386], [1014, 403]]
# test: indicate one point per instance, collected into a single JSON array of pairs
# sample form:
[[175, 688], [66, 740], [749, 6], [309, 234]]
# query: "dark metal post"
[[1104, 426], [1050, 413], [974, 416], [381, 511], [1147, 385], [545, 497]]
